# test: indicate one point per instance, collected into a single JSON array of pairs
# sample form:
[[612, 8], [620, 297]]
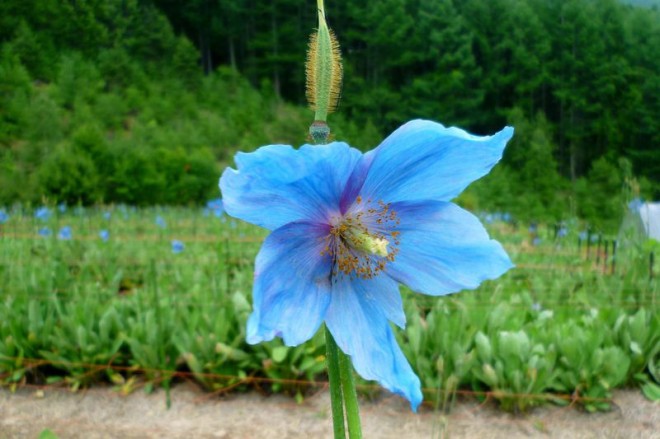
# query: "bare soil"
[[103, 413]]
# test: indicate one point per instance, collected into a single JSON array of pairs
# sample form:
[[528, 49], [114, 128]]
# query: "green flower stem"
[[332, 353], [350, 396]]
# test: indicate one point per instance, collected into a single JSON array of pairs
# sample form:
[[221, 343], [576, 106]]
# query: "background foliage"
[[144, 102]]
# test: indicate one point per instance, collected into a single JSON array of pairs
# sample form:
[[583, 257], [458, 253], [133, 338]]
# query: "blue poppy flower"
[[107, 216], [61, 207], [635, 204], [44, 231], [160, 222], [348, 227], [562, 232], [104, 235], [64, 233], [3, 216], [536, 241], [216, 206], [43, 213], [177, 246]]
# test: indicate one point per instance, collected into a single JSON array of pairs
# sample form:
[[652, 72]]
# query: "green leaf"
[[54, 379], [484, 348], [279, 353], [639, 327], [513, 345], [651, 391], [48, 434]]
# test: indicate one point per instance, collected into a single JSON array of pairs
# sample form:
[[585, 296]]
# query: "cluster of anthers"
[[363, 240]]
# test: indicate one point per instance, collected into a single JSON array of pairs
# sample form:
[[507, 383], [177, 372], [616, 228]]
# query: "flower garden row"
[[149, 310]]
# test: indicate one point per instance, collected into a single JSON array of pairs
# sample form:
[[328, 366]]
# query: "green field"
[[129, 311]]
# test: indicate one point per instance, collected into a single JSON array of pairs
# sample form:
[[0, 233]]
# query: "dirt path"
[[102, 413]]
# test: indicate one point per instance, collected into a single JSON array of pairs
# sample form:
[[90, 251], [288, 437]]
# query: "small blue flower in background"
[[64, 233], [61, 207], [533, 228], [4, 217], [160, 222], [43, 213], [489, 218], [506, 217], [536, 241], [107, 216], [44, 231], [562, 232], [583, 235], [536, 306], [347, 228], [216, 206], [124, 210], [594, 238], [104, 235], [177, 246]]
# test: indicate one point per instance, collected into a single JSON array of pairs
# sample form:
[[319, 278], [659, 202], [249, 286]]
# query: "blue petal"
[[358, 320], [277, 184], [444, 249], [422, 160], [291, 284]]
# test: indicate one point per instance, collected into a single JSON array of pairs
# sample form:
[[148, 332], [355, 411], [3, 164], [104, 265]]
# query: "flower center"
[[363, 240]]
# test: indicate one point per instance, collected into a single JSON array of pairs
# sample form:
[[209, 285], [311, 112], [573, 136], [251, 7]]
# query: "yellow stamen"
[[363, 240]]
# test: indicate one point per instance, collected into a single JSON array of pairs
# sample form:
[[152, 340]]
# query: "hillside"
[[144, 102]]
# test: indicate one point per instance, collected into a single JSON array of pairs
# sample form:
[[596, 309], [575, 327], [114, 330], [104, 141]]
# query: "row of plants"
[[133, 312]]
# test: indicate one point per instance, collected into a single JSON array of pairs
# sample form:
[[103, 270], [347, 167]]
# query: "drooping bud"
[[324, 77]]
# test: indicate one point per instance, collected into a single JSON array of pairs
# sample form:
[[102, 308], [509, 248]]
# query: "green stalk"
[[350, 396], [332, 354]]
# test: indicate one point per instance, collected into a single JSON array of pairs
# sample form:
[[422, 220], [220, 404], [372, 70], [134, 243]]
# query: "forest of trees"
[[163, 91]]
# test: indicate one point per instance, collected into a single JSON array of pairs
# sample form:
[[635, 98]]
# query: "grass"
[[131, 312]]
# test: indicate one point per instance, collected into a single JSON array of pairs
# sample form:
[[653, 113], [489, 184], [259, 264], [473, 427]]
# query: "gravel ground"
[[102, 413]]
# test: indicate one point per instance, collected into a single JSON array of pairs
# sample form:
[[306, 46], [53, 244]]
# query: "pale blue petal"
[[357, 318], [423, 160], [444, 249], [292, 287], [277, 184]]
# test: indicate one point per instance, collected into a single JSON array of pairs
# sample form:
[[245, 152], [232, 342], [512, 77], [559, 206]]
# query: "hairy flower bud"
[[324, 76]]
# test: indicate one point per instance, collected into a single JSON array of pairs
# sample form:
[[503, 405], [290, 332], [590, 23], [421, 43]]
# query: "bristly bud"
[[324, 75]]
